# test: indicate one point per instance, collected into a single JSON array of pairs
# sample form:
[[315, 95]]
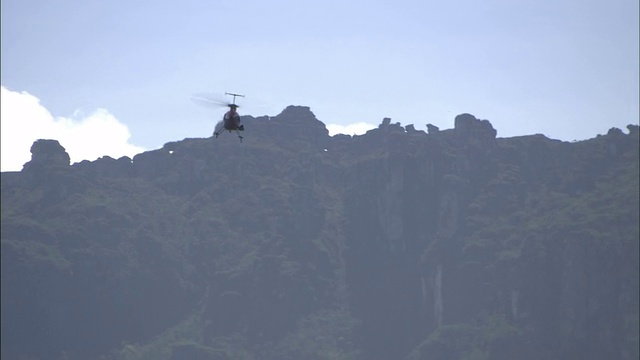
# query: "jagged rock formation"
[[397, 244], [47, 154]]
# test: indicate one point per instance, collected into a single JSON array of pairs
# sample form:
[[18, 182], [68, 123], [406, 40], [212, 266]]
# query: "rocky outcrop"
[[47, 154], [299, 125], [432, 129], [474, 130], [107, 167]]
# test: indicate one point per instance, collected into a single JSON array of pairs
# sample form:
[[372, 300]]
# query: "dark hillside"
[[397, 244]]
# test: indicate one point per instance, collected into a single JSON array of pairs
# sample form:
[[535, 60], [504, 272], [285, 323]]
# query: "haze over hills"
[[397, 244]]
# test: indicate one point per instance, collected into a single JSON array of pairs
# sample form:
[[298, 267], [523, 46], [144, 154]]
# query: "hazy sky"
[[122, 72]]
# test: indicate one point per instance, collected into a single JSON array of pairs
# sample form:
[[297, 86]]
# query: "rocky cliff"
[[397, 244]]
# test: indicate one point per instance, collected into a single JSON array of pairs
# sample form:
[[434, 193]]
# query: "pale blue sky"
[[564, 68]]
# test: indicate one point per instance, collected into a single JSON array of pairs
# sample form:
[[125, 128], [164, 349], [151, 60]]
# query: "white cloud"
[[24, 120], [351, 129]]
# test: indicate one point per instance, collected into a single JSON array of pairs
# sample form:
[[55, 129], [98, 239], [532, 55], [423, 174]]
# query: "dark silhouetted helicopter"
[[231, 119]]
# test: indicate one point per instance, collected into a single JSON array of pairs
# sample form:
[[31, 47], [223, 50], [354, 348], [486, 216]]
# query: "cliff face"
[[395, 244]]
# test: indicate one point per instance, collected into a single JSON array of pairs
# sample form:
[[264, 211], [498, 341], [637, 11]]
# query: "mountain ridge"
[[397, 243]]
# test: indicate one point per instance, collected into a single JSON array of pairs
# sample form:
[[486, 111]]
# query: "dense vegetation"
[[295, 245]]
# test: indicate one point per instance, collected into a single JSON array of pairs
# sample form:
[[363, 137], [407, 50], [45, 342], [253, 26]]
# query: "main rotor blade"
[[209, 101]]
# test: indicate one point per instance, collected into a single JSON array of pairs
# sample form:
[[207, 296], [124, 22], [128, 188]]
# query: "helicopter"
[[231, 119]]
